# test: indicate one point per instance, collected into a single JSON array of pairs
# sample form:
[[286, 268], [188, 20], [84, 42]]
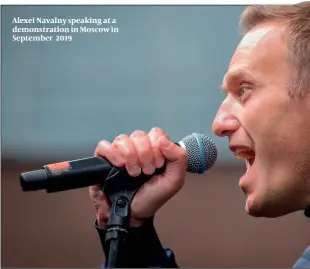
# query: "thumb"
[[172, 153], [176, 164]]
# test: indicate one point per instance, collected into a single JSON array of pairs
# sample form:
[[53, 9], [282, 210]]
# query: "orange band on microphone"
[[58, 166]]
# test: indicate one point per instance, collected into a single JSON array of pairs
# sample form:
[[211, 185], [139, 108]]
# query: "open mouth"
[[248, 155]]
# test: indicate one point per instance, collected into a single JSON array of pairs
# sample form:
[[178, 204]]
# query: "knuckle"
[[138, 133], [103, 148], [96, 194], [156, 133], [156, 130], [126, 150], [103, 144], [121, 137], [121, 142]]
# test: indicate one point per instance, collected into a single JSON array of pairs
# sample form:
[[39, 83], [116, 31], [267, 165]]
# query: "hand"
[[142, 152]]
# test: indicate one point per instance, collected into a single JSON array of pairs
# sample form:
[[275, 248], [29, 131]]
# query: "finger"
[[171, 151], [129, 153], [103, 213], [175, 155], [96, 193], [101, 205], [112, 154], [154, 135], [145, 152]]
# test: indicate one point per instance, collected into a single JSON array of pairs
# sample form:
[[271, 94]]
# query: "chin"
[[259, 208]]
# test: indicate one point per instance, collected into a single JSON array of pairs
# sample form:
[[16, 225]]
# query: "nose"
[[224, 124]]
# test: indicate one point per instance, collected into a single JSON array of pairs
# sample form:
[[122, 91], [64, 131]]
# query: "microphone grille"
[[201, 152]]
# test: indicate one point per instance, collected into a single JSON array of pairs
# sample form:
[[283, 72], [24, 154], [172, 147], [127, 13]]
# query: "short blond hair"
[[296, 22]]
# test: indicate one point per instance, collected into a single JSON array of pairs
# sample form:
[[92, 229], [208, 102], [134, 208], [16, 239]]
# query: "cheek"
[[266, 118], [279, 129]]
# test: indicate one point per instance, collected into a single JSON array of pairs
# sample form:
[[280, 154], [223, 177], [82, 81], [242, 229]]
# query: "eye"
[[245, 92]]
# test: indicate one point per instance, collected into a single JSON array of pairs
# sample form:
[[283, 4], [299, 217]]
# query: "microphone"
[[201, 156], [67, 175]]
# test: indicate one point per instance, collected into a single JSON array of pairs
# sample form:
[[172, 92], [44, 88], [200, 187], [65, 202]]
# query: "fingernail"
[[148, 169], [159, 162], [135, 170]]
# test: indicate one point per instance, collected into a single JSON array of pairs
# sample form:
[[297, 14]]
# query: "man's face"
[[265, 126]]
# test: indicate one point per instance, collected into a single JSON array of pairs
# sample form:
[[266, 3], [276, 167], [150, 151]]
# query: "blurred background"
[[162, 68]]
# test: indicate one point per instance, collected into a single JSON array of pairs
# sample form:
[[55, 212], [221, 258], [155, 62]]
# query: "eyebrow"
[[235, 74]]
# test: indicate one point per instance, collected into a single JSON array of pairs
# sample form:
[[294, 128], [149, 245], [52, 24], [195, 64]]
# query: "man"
[[265, 116]]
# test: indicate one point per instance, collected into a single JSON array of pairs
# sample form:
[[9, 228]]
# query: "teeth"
[[247, 164], [239, 157], [238, 151], [243, 153]]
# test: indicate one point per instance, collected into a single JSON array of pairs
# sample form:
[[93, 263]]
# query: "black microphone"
[[201, 155], [67, 175]]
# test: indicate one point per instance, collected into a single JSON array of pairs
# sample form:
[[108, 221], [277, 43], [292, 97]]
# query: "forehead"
[[258, 35], [261, 52]]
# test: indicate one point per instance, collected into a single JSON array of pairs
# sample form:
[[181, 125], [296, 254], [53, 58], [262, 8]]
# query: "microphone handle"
[[67, 175], [70, 175]]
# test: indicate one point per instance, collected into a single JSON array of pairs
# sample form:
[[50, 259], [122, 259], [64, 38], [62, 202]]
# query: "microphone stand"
[[120, 188]]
